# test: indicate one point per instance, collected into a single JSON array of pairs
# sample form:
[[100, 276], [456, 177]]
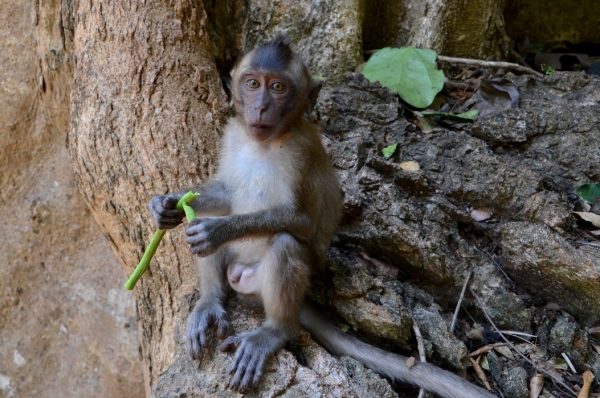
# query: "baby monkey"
[[265, 223]]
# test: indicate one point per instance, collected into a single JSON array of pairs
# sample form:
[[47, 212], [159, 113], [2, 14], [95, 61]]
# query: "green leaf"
[[466, 116], [588, 192], [410, 72], [388, 151]]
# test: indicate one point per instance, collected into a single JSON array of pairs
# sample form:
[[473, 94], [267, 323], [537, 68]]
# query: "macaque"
[[265, 222]]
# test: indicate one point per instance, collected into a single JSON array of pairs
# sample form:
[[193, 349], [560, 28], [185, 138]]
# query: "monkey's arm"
[[207, 234], [214, 199]]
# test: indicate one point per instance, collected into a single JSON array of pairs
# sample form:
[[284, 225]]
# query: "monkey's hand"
[[206, 234], [201, 320], [163, 211]]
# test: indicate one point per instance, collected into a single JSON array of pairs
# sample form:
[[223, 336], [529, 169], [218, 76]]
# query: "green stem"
[[182, 205]]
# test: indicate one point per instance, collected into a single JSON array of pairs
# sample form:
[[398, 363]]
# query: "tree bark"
[[146, 113], [65, 326]]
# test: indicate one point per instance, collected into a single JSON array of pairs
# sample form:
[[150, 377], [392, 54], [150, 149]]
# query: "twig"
[[512, 333], [569, 362], [511, 345], [491, 64], [421, 348], [589, 244], [497, 265], [486, 348], [460, 299]]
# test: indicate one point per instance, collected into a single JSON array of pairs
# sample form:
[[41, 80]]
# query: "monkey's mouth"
[[260, 126]]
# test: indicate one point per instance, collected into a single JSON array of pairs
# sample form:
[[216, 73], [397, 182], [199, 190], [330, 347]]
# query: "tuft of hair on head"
[[280, 40]]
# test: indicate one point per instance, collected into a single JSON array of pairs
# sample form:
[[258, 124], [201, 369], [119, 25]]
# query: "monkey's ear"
[[313, 94]]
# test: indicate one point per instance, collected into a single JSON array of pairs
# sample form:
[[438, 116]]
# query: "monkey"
[[264, 224]]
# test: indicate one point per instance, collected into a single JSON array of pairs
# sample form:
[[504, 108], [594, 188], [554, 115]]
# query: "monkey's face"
[[268, 102]]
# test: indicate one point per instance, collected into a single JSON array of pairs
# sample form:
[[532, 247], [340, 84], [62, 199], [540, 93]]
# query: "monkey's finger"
[[195, 236], [194, 347], [170, 201], [250, 370], [235, 366], [222, 328], [230, 344], [258, 374]]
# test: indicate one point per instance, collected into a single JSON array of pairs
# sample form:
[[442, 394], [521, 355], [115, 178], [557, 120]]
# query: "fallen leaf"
[[589, 217], [560, 363], [480, 374], [480, 215], [382, 267], [524, 348], [537, 353], [595, 233], [483, 362], [410, 166], [596, 347], [588, 192], [425, 124], [495, 95], [536, 385], [388, 151], [506, 352], [595, 332], [410, 72], [410, 362], [464, 117], [475, 334]]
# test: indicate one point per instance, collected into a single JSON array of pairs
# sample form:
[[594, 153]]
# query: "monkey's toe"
[[200, 324]]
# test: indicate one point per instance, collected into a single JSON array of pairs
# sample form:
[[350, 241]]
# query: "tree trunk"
[[66, 326], [146, 114]]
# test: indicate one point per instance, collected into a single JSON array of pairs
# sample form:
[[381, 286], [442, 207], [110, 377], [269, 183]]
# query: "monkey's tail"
[[424, 375]]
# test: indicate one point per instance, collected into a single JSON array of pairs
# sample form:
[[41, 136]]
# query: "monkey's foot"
[[204, 317], [253, 350]]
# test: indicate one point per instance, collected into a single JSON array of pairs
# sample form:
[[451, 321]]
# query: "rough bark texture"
[[147, 107], [66, 326], [146, 110]]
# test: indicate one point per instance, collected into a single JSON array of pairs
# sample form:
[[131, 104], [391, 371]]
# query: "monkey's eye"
[[252, 83], [278, 87]]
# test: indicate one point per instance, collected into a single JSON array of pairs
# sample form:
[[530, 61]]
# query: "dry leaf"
[[480, 374], [483, 362], [506, 352], [589, 217], [382, 267], [410, 166], [475, 334], [537, 353], [559, 363], [536, 385], [596, 347], [410, 362], [480, 215], [596, 233], [524, 348]]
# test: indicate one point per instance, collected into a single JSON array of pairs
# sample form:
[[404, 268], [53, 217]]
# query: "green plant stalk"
[[182, 205]]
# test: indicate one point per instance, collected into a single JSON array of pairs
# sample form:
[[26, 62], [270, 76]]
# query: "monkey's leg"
[[284, 279], [209, 310]]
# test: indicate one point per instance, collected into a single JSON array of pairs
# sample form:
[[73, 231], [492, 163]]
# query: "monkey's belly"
[[244, 274]]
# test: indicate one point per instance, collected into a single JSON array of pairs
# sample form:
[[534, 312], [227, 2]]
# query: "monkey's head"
[[271, 89]]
